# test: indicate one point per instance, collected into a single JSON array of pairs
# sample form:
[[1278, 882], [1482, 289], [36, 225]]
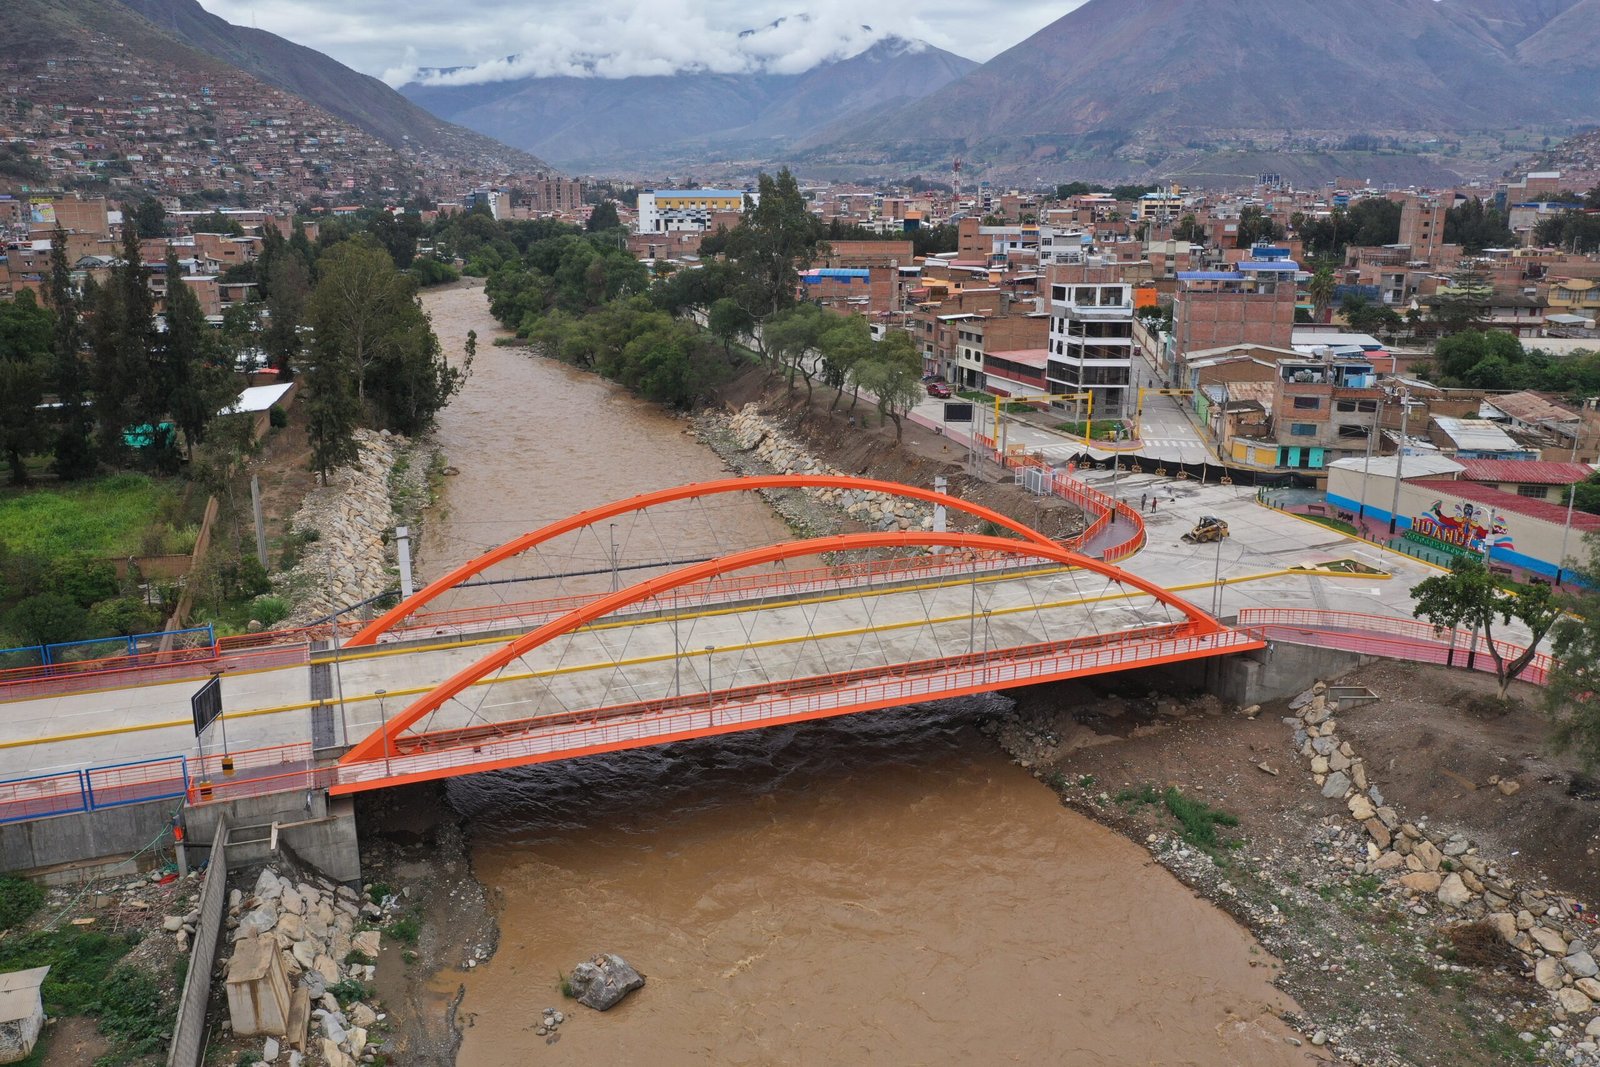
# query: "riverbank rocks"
[[601, 983], [1446, 871], [352, 516], [310, 929], [754, 433]]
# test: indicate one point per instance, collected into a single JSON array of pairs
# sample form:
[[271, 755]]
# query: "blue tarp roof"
[[835, 273]]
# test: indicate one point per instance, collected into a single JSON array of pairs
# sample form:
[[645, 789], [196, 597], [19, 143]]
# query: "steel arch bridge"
[[624, 669]]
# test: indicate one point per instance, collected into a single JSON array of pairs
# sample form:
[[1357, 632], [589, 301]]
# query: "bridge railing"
[[1389, 637], [143, 669], [995, 670], [93, 788]]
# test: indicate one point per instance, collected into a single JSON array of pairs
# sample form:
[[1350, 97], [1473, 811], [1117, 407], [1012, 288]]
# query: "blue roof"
[[1269, 264], [1210, 276], [812, 276]]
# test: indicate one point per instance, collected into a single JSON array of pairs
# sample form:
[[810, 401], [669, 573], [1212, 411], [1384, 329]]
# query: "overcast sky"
[[392, 38]]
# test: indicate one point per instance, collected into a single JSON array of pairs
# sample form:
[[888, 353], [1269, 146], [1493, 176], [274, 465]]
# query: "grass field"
[[108, 516]]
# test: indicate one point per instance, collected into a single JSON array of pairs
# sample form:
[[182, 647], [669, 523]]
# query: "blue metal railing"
[[130, 645], [113, 785]]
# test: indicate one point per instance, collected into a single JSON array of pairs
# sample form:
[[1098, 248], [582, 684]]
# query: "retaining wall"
[[74, 848]]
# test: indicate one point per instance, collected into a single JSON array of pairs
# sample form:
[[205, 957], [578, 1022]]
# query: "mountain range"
[[183, 33], [594, 122], [1145, 87]]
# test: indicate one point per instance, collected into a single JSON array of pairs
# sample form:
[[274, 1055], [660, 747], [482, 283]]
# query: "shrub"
[[46, 618], [1199, 822], [277, 418], [406, 929], [269, 609], [83, 578], [19, 899], [123, 615]]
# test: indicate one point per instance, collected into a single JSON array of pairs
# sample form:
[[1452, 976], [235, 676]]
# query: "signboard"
[[42, 211], [206, 704], [957, 411]]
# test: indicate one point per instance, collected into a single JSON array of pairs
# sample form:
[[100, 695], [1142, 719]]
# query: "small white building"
[[21, 1013]]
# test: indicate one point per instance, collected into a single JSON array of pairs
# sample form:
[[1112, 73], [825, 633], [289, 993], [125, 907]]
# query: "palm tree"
[[1320, 289]]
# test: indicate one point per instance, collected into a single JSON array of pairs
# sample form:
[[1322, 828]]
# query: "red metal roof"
[[1526, 471], [1511, 503]]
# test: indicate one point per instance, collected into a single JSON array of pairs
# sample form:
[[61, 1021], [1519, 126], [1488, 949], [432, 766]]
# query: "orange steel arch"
[[368, 634], [378, 742]]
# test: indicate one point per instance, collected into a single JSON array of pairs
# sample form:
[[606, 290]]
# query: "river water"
[[880, 888]]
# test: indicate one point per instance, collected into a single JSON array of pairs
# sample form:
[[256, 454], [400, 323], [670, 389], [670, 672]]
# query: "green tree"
[[1364, 316], [1474, 226], [1468, 596], [26, 330], [198, 383], [777, 238], [728, 322], [367, 320], [603, 217], [128, 390], [1189, 229], [74, 443], [288, 291], [1572, 691], [1321, 288], [333, 413], [47, 618], [1464, 304], [1255, 225], [398, 234], [891, 374], [150, 217], [845, 343], [793, 335]]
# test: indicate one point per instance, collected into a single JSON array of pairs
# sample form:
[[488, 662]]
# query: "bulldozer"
[[1208, 529]]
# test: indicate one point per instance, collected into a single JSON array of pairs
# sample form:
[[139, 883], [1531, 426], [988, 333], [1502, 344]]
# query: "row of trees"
[[95, 380]]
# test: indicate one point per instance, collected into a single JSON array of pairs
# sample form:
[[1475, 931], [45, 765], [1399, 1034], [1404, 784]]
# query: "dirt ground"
[[284, 467], [411, 842], [1381, 979]]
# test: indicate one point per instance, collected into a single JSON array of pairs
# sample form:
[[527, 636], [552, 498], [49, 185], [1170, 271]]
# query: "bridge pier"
[[1280, 670], [317, 829]]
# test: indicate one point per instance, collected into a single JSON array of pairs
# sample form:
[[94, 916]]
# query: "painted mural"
[[1465, 526]]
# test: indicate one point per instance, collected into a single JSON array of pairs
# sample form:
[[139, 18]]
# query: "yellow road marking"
[[659, 657]]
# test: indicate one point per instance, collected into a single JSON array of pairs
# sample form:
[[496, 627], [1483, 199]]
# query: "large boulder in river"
[[602, 982]]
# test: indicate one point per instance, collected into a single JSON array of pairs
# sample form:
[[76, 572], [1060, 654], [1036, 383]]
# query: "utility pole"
[[1399, 459], [402, 540], [261, 525]]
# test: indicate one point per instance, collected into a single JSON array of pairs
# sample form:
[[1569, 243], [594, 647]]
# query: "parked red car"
[[940, 390]]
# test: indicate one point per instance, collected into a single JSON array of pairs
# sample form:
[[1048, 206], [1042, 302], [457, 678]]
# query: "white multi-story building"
[[666, 210], [1091, 344]]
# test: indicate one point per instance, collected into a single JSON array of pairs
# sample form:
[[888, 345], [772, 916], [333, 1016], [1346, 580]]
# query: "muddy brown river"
[[883, 888]]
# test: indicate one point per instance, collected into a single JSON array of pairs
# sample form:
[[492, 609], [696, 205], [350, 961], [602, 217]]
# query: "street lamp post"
[[1572, 498], [383, 716], [614, 575], [1216, 582], [711, 700]]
